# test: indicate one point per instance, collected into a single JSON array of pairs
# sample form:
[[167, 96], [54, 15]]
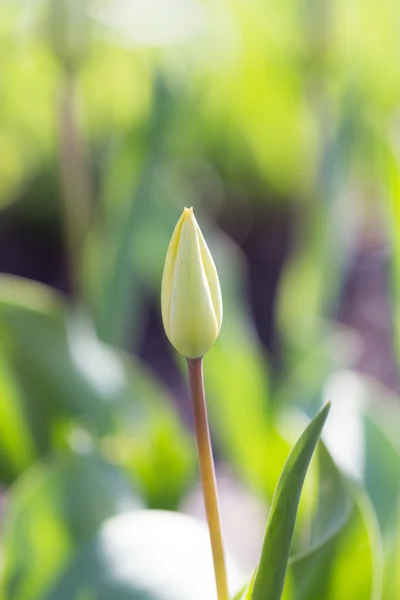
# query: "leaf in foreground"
[[270, 576]]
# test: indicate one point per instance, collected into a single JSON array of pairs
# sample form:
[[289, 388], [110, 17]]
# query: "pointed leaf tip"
[[271, 572]]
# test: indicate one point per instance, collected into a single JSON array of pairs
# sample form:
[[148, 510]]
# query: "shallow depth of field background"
[[278, 121]]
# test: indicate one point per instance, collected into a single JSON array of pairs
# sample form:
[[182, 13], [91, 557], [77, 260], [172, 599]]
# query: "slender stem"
[[75, 176], [207, 473]]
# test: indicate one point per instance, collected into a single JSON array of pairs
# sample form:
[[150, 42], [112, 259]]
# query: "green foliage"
[[235, 370], [148, 555], [56, 506], [41, 353], [58, 377], [270, 577], [259, 103]]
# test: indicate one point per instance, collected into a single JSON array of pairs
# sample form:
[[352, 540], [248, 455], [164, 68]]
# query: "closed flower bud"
[[68, 31], [191, 299]]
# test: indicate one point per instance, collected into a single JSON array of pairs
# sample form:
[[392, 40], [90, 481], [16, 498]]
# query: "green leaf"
[[382, 480], [17, 448], [238, 388], [270, 577], [116, 267], [242, 594], [53, 508], [51, 364], [71, 377], [382, 463], [310, 567], [334, 500], [347, 561], [147, 555], [246, 592], [152, 445], [356, 571]]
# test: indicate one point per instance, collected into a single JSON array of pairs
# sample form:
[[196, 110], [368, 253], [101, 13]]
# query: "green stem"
[[207, 473]]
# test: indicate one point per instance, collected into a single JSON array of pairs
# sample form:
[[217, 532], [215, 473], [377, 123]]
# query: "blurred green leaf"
[[56, 371], [392, 573], [356, 572], [247, 591], [382, 470], [53, 508], [329, 216], [334, 503], [382, 479], [237, 384], [17, 448], [119, 256], [391, 578], [271, 571], [152, 444], [346, 562], [333, 510], [26, 132], [241, 595], [148, 555], [310, 367], [37, 346]]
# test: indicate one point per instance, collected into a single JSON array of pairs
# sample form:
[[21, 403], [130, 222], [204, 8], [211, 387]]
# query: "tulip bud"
[[68, 31], [191, 300]]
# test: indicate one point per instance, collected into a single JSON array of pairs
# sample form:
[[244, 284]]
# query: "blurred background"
[[278, 122]]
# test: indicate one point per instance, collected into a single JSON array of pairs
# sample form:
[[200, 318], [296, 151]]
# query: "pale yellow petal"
[[193, 324], [212, 276], [168, 274]]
